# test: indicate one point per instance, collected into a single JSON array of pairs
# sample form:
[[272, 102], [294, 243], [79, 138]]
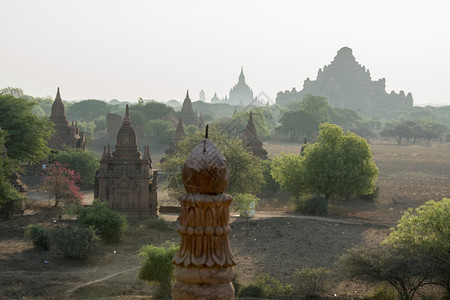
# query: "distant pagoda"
[[347, 84], [173, 146], [215, 99], [252, 141], [187, 113], [65, 135], [126, 179]]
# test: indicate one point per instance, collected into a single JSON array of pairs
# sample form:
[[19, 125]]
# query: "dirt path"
[[100, 280]]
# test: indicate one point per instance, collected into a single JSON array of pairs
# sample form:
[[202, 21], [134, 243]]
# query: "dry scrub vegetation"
[[278, 242]]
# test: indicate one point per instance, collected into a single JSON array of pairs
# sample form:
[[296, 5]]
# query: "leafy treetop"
[[26, 133]]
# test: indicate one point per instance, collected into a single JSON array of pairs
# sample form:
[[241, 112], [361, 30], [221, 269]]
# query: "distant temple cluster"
[[347, 84], [65, 135], [126, 178], [241, 94]]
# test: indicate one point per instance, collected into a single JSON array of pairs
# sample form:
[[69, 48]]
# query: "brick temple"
[[65, 135], [126, 178]]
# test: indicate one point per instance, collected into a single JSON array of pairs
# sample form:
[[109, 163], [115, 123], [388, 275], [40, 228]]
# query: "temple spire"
[[187, 94], [242, 76], [126, 118], [58, 110]]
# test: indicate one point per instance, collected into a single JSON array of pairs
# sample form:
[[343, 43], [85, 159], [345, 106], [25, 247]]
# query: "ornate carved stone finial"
[[205, 260]]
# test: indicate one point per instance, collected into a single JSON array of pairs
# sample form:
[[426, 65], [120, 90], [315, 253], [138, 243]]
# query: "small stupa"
[[252, 141]]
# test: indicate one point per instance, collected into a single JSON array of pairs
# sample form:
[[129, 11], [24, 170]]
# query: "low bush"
[[272, 288], [372, 196], [315, 205], [76, 241], [236, 284], [251, 290], [244, 203], [111, 225], [157, 268], [382, 292], [158, 224], [39, 236], [311, 283]]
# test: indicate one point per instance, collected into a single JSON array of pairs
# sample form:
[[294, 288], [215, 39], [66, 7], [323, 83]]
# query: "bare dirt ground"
[[277, 242]]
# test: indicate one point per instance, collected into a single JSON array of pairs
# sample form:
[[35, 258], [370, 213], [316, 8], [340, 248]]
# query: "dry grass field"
[[278, 241]]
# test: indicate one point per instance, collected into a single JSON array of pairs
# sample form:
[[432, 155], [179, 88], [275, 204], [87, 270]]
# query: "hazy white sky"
[[158, 49]]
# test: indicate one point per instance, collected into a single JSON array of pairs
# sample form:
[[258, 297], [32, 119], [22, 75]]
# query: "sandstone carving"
[[203, 265]]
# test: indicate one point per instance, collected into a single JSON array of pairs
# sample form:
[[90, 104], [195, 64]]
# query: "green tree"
[[405, 272], [87, 110], [9, 196], [344, 117], [296, 123], [26, 134], [287, 170], [425, 232], [339, 164], [84, 162], [415, 254], [162, 131], [12, 91], [152, 110], [399, 132], [246, 171], [316, 106]]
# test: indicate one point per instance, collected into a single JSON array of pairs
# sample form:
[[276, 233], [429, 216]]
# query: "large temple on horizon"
[[241, 94], [65, 135], [126, 178], [347, 84]]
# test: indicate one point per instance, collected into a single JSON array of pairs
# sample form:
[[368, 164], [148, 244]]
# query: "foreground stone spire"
[[252, 141], [204, 262]]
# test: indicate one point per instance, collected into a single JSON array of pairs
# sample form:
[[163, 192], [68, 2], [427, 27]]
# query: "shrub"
[[272, 288], [236, 284], [251, 290], [270, 185], [382, 292], [372, 196], [76, 241], [158, 224], [311, 282], [316, 205], [39, 236], [111, 225], [244, 203], [157, 266]]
